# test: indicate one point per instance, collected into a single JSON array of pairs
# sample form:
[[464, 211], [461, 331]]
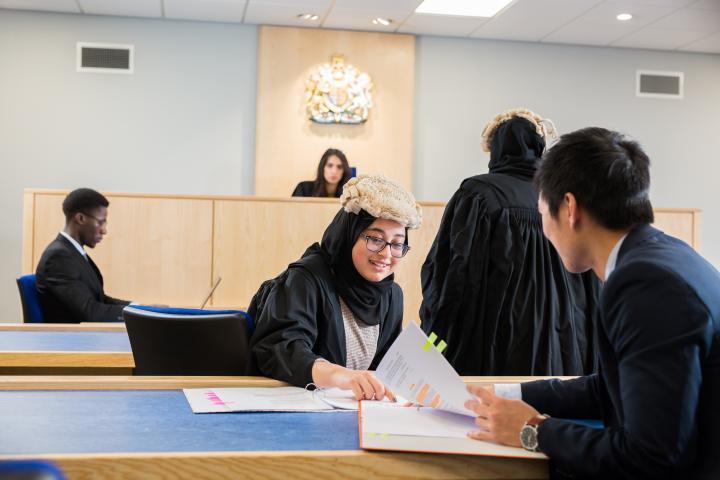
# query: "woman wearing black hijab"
[[493, 287], [333, 314]]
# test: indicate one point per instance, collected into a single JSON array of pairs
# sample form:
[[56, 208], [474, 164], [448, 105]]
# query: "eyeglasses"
[[375, 244], [100, 222]]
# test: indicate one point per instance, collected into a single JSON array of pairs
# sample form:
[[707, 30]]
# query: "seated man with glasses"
[[69, 283], [334, 313]]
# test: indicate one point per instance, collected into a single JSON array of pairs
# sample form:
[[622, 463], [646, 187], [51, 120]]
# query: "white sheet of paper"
[[422, 375], [274, 399], [381, 419]]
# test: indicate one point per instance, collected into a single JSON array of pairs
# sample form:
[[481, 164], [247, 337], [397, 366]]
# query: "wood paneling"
[[288, 146], [158, 250], [167, 249]]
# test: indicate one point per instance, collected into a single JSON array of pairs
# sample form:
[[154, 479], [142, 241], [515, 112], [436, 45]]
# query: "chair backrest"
[[32, 312], [167, 341], [30, 469]]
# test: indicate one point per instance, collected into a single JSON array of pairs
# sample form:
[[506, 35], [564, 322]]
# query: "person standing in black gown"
[[494, 288]]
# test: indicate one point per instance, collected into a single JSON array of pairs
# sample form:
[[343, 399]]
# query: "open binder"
[[415, 368]]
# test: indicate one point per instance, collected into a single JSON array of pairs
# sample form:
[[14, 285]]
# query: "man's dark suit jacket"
[[71, 288], [658, 387]]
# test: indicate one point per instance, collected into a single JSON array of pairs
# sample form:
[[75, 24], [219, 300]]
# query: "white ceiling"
[[684, 25]]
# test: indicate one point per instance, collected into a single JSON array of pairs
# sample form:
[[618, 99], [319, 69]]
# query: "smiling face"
[[333, 171], [376, 266]]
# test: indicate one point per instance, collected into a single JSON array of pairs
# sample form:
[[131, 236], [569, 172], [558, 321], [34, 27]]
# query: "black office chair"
[[194, 342]]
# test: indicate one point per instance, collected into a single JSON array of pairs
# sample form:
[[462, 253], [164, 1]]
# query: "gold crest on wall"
[[338, 93]]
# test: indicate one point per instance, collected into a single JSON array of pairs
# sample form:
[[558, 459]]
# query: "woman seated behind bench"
[[333, 314]]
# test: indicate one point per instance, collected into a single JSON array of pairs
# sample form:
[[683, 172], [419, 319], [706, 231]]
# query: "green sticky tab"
[[384, 435], [431, 340], [371, 434], [441, 346]]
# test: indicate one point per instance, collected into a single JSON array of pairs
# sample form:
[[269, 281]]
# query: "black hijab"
[[516, 148], [369, 301]]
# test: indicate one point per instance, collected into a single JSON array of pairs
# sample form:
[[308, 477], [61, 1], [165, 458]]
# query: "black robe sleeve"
[[456, 267], [286, 330]]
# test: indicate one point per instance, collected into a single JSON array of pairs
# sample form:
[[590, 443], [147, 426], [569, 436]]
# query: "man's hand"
[[500, 419]]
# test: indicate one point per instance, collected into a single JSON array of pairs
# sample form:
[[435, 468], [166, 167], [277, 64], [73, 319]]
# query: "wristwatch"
[[529, 433]]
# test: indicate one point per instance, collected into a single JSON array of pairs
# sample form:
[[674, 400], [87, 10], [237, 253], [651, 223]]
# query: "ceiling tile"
[[706, 5], [126, 8], [659, 38], [692, 19], [531, 20], [209, 10], [448, 25], [580, 34], [361, 18], [279, 13], [709, 44], [605, 15], [69, 6]]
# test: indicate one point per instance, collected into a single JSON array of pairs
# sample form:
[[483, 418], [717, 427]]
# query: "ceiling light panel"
[[467, 8]]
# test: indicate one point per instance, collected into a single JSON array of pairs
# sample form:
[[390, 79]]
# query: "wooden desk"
[[79, 349], [116, 427]]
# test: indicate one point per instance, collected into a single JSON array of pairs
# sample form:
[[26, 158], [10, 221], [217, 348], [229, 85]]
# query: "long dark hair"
[[319, 185]]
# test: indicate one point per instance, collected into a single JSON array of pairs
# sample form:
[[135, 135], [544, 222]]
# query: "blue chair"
[[30, 469], [32, 312], [185, 341]]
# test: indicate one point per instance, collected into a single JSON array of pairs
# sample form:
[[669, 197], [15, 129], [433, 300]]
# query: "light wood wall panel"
[[167, 249], [288, 145], [157, 250], [255, 240]]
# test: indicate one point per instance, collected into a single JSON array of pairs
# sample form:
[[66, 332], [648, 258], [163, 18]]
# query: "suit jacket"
[[71, 288], [658, 387]]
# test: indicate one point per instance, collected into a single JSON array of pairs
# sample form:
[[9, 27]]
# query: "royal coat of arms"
[[338, 93]]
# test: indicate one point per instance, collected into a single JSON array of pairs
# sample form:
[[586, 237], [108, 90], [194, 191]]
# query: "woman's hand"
[[363, 383]]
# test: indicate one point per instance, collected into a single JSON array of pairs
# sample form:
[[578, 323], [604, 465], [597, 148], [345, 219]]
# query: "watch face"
[[528, 437]]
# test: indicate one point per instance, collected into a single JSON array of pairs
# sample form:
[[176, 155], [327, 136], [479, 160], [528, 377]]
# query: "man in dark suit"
[[658, 386], [69, 283]]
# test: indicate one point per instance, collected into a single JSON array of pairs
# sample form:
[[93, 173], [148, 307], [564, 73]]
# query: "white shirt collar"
[[75, 244], [612, 258]]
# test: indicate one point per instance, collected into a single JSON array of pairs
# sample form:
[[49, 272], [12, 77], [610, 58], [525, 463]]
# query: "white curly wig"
[[381, 198], [543, 126]]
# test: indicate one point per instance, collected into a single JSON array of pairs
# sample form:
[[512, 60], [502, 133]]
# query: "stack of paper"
[[415, 368]]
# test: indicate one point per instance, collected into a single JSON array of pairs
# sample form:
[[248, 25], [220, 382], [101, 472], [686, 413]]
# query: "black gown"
[[297, 314], [494, 288]]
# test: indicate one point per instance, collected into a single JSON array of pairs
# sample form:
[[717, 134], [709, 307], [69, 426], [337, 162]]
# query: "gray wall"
[[461, 84], [183, 122]]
